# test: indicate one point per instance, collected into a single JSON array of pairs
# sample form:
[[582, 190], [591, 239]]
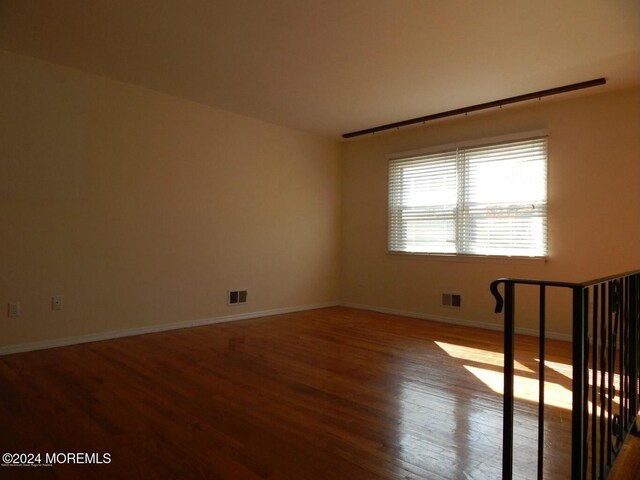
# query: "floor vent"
[[451, 300], [237, 297]]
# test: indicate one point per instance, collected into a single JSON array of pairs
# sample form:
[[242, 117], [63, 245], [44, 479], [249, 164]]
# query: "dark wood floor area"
[[327, 394], [627, 466]]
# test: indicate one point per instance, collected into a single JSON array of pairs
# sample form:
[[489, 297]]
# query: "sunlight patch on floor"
[[525, 388], [478, 355], [567, 371]]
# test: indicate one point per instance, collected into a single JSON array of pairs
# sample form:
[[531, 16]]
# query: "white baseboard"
[[453, 320], [130, 332]]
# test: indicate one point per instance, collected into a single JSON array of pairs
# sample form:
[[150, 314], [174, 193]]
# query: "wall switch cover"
[[15, 310], [57, 302]]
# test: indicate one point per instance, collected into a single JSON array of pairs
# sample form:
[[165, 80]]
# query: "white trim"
[[469, 258], [454, 321], [130, 332], [513, 137]]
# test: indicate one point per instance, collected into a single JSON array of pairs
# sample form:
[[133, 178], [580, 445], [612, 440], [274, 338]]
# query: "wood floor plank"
[[627, 466], [334, 393]]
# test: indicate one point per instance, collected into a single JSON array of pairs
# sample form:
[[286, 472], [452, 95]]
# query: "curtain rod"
[[481, 106]]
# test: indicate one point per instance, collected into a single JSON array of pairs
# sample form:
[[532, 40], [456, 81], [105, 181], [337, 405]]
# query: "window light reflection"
[[478, 355], [525, 387]]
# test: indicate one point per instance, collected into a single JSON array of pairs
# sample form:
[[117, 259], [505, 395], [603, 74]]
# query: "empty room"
[[303, 239]]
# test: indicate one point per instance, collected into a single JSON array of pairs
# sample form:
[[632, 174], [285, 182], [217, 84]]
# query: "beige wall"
[[594, 208], [143, 209]]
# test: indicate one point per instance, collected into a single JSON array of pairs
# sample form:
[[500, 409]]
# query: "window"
[[473, 200]]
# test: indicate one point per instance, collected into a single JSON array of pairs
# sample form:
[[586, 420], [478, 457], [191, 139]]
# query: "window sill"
[[465, 258]]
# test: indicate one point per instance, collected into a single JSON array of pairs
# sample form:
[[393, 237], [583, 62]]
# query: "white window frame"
[[459, 251]]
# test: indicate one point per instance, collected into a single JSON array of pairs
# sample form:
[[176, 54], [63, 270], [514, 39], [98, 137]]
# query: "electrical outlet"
[[15, 310], [57, 302]]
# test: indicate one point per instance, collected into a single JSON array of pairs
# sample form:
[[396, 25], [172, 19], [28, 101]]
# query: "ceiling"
[[333, 66]]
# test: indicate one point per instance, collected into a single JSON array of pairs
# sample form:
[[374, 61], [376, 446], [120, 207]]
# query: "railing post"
[[509, 357], [542, 306], [634, 347], [579, 392], [616, 325]]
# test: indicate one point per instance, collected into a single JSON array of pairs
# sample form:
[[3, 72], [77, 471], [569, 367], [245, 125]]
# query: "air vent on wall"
[[451, 300], [237, 297]]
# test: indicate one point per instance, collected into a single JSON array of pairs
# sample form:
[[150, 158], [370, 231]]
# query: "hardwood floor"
[[327, 394], [627, 466]]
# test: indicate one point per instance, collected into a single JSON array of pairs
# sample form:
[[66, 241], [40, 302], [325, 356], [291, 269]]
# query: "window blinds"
[[477, 200]]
